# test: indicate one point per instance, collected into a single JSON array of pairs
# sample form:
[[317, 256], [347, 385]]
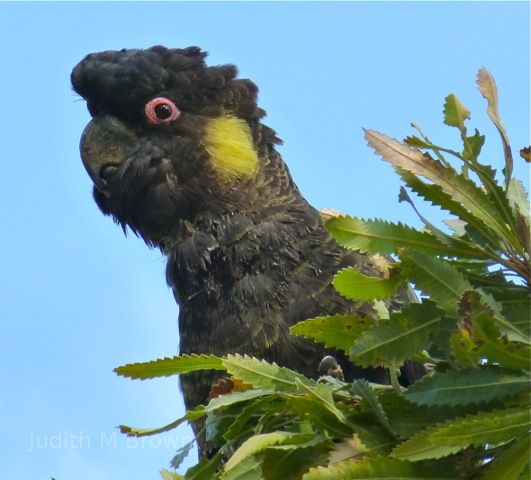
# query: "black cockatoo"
[[178, 153]]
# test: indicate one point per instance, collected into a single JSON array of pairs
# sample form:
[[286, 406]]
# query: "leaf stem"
[[427, 140], [394, 380]]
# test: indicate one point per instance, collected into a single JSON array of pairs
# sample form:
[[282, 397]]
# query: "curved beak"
[[106, 141]]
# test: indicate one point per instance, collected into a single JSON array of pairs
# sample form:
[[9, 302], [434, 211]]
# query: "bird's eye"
[[160, 111]]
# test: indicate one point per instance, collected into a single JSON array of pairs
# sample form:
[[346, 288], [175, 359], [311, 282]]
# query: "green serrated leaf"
[[262, 374], [377, 467], [518, 196], [236, 397], [522, 227], [487, 87], [509, 329], [168, 475], [519, 201], [257, 444], [198, 412], [205, 469], [436, 196], [384, 238], [362, 388], [404, 335], [445, 285], [246, 414], [354, 285], [381, 309], [221, 416], [436, 232], [181, 454], [516, 310], [321, 417], [450, 437], [347, 449], [457, 226], [408, 419], [457, 186], [465, 386], [437, 278], [510, 464], [515, 300], [420, 448], [497, 349], [281, 463], [498, 197], [248, 469], [217, 422], [488, 343], [464, 350], [492, 428], [526, 473], [414, 141], [165, 367], [335, 331], [324, 395], [473, 146], [455, 112]]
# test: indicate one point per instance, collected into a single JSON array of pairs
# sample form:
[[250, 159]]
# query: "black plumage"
[[247, 255]]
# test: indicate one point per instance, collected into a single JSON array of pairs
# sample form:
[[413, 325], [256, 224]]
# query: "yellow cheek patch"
[[229, 142]]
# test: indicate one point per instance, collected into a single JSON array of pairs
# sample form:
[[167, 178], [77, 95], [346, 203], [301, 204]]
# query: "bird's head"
[[170, 137]]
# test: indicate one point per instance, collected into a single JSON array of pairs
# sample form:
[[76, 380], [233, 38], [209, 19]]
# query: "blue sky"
[[77, 298]]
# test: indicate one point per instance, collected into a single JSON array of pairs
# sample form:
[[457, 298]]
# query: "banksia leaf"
[[436, 196], [414, 141], [400, 338], [198, 412], [464, 350], [378, 468], [518, 196], [247, 412], [519, 201], [262, 374], [489, 344], [384, 238], [487, 87], [335, 331], [455, 112], [493, 428], [168, 475], [462, 387], [460, 188], [290, 462], [362, 388], [420, 448], [474, 145], [165, 367], [181, 454], [257, 444], [409, 419], [355, 285], [205, 469], [437, 278], [247, 469]]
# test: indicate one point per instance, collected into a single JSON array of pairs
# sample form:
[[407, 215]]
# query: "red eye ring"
[[160, 111]]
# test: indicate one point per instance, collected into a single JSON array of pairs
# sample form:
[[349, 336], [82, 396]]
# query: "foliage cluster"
[[468, 417]]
